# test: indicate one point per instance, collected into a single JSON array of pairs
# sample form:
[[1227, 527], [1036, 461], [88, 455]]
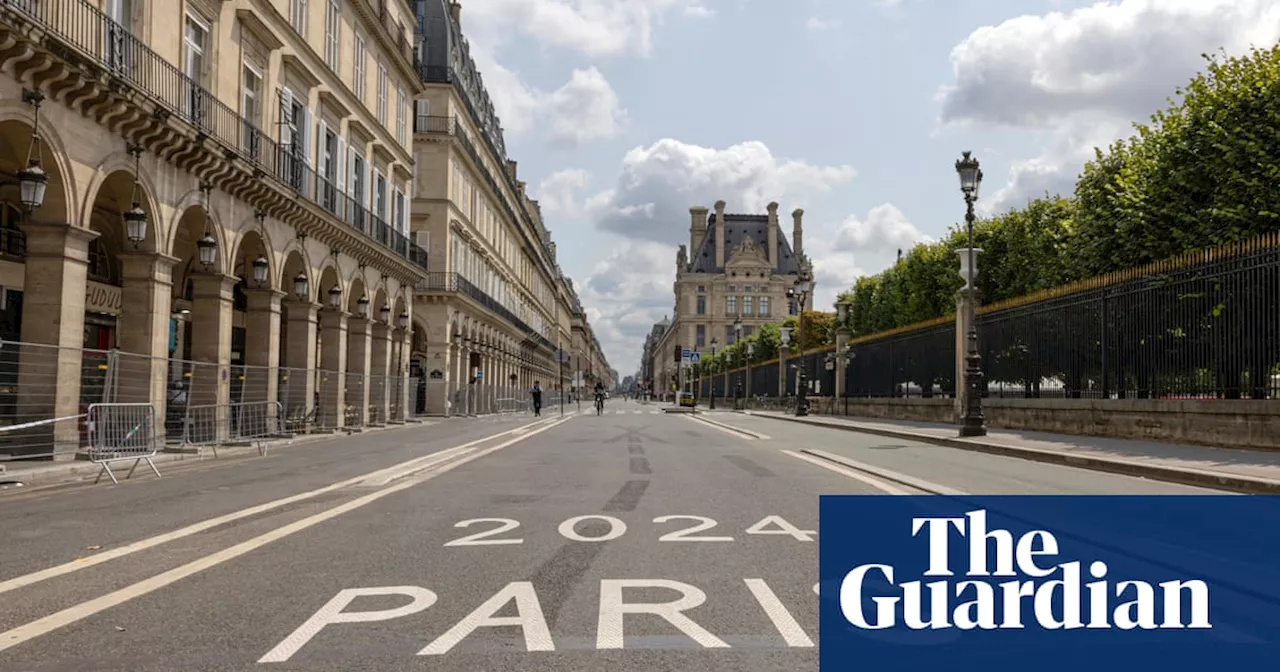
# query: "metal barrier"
[[120, 432], [213, 425]]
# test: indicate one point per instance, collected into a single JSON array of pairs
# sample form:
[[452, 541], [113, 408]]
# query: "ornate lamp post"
[[737, 339], [800, 292], [970, 180]]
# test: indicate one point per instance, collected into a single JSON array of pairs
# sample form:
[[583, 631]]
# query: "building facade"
[[739, 271], [495, 310], [222, 218]]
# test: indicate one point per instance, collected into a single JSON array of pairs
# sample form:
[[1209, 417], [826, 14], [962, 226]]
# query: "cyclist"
[[599, 398]]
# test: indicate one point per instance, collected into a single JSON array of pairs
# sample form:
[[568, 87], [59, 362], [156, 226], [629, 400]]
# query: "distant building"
[[741, 268]]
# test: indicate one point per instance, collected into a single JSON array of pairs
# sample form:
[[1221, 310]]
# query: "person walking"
[[536, 394]]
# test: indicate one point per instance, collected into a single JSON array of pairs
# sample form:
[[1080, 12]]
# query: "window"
[[195, 41], [298, 16], [701, 339], [251, 107], [357, 68], [382, 95], [702, 289], [332, 33], [731, 305], [380, 195], [401, 112], [728, 334], [702, 305], [746, 305], [764, 306], [422, 111], [400, 214]]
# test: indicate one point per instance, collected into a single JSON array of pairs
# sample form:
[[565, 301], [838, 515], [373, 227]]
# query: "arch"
[[379, 299], [107, 179], [248, 245], [188, 226], [356, 291], [326, 279], [16, 122], [295, 262]]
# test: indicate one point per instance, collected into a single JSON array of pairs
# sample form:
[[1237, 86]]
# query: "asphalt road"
[[586, 559]]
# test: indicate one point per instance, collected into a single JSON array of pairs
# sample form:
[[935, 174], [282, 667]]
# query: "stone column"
[[300, 358], [262, 335], [333, 362], [784, 353], [380, 364], [211, 312], [53, 301], [358, 339], [142, 368], [842, 367]]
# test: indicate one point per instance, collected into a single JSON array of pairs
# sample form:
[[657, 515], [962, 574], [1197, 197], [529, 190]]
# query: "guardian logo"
[[1008, 582]]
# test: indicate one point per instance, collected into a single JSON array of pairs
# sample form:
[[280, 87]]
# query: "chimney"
[[455, 11], [511, 168], [697, 229], [720, 234], [797, 234], [771, 243]]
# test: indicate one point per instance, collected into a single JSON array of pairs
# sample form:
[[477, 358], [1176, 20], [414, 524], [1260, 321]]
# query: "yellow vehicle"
[[686, 399]]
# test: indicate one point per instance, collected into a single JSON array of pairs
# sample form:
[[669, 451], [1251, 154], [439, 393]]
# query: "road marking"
[[195, 528], [332, 613], [787, 625], [731, 431], [529, 616], [876, 483], [83, 610], [887, 474], [610, 633], [732, 428]]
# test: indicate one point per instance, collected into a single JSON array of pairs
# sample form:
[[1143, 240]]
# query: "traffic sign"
[[695, 358], [479, 375], [686, 354]]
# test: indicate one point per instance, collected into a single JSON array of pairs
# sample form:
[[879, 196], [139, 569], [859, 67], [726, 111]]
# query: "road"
[[635, 540]]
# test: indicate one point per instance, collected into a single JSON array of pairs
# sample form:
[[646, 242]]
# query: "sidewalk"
[[32, 473], [1253, 472]]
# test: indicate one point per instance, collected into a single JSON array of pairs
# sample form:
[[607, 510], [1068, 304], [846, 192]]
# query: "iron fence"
[[119, 432], [1203, 326]]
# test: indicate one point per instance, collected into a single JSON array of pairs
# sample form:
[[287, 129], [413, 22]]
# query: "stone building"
[[224, 208], [739, 271], [496, 308]]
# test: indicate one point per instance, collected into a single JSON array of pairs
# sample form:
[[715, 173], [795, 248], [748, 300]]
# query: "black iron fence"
[[78, 30], [1203, 326], [437, 281]]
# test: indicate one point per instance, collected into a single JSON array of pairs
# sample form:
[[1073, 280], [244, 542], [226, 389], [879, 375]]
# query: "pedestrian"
[[536, 394]]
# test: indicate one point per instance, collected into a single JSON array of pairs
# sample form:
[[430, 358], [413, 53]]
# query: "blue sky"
[[623, 113]]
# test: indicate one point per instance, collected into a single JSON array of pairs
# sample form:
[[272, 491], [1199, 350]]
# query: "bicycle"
[[599, 404]]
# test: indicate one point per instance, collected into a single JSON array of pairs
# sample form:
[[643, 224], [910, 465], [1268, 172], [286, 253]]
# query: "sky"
[[624, 113]]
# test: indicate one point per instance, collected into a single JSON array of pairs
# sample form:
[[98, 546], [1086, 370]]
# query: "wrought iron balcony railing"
[[82, 27], [454, 282]]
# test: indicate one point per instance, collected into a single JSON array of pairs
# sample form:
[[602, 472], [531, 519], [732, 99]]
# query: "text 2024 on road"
[[616, 527]]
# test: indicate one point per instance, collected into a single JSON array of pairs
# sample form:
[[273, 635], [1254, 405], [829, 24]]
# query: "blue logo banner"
[[1048, 583]]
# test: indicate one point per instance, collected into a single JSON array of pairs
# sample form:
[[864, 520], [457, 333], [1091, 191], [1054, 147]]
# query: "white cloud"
[[585, 108], [1083, 76], [594, 28], [625, 294], [557, 193], [816, 23], [699, 10], [858, 246], [660, 182]]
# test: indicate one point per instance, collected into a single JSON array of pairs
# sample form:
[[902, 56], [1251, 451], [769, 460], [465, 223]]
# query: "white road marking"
[[83, 610], [610, 633], [195, 528], [787, 625], [876, 483], [568, 529], [749, 436], [529, 616], [888, 474], [332, 613]]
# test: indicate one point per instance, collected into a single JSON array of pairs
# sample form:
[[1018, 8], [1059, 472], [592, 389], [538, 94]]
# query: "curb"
[[81, 470], [1216, 480]]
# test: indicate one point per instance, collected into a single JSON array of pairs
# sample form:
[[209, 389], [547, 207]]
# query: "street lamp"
[[362, 307], [403, 320], [737, 340], [970, 180], [712, 377], [800, 293], [335, 297], [32, 180], [384, 314], [300, 286]]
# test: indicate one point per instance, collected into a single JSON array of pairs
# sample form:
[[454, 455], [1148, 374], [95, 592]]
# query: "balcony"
[[454, 283], [116, 64]]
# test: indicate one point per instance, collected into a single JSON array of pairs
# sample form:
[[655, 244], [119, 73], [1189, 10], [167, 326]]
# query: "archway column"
[[262, 333], [380, 365], [358, 351], [300, 358], [333, 361], [212, 309], [146, 312], [53, 301]]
